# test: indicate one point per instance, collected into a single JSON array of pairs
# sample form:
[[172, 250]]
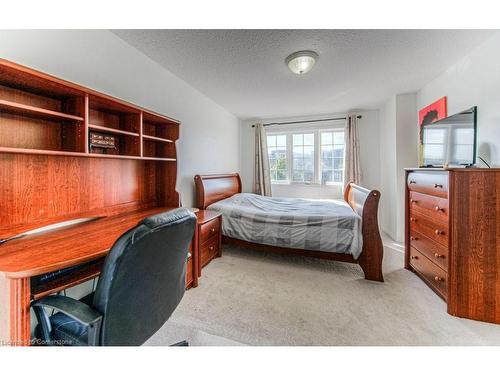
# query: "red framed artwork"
[[433, 112]]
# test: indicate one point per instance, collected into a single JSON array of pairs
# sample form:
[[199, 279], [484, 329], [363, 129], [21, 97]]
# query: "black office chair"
[[142, 282]]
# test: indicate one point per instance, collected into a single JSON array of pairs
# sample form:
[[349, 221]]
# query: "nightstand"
[[209, 237]]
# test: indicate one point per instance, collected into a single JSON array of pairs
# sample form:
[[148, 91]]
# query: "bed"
[[345, 230]]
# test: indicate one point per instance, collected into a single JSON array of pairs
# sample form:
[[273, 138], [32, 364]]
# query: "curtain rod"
[[305, 121]]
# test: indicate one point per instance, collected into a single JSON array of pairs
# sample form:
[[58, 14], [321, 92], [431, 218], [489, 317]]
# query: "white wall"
[[369, 150], [100, 60], [387, 210], [398, 144], [474, 80]]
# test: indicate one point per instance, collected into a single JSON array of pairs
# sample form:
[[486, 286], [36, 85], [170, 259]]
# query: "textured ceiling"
[[244, 70]]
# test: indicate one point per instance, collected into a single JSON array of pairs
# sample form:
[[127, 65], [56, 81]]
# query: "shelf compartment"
[[47, 106], [50, 121], [156, 127], [114, 116], [155, 149], [35, 112], [125, 144], [30, 151], [151, 138], [105, 129], [18, 131]]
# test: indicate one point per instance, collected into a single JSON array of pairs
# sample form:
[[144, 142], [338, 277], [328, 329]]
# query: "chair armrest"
[[71, 307]]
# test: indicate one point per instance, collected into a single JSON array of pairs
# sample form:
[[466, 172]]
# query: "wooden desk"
[[34, 255]]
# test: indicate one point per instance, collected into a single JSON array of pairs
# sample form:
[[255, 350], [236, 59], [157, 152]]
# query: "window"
[[463, 145], [277, 151], [435, 145], [332, 157], [315, 156], [303, 157]]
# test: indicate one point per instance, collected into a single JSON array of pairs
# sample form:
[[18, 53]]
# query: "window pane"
[[309, 139], [298, 152], [309, 151], [332, 156], [338, 163], [271, 140], [276, 150], [338, 138], [281, 141], [326, 138], [338, 151], [338, 176], [298, 140]]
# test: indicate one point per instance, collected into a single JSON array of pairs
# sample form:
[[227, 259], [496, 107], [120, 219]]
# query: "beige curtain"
[[262, 175], [352, 172]]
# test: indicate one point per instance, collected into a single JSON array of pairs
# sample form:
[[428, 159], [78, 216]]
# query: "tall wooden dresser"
[[452, 237]]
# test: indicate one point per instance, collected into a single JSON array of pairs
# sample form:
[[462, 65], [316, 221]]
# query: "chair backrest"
[[143, 278]]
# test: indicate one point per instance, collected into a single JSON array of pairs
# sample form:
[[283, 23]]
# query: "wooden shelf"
[[112, 130], [36, 112], [158, 159], [77, 154], [156, 139]]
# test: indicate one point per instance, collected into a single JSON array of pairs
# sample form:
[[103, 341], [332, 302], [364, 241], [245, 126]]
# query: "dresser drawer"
[[434, 207], [436, 253], [433, 229], [432, 274], [209, 229], [433, 183], [209, 250]]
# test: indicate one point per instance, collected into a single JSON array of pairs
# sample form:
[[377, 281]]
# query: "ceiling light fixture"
[[301, 62]]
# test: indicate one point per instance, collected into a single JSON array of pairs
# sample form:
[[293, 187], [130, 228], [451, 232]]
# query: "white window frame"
[[279, 130], [332, 183], [287, 181]]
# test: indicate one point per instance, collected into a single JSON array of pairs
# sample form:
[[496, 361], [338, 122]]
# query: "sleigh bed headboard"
[[215, 187]]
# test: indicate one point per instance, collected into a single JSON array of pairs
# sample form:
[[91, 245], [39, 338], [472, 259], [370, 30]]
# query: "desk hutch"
[[52, 169]]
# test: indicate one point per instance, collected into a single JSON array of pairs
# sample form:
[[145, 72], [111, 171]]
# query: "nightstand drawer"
[[432, 274], [209, 229], [209, 250]]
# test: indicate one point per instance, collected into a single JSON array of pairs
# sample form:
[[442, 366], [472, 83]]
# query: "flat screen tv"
[[450, 141]]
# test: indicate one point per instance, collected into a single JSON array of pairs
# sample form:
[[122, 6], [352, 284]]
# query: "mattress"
[[309, 224]]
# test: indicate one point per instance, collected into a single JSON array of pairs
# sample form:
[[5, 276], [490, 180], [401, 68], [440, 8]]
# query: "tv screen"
[[450, 141]]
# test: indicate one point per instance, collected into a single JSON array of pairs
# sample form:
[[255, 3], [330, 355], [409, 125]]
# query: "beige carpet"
[[254, 298]]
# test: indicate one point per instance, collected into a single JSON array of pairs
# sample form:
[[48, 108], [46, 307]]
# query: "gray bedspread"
[[310, 224]]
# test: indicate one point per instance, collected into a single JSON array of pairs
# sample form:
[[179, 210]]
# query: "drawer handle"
[[438, 232], [413, 219], [212, 230], [413, 182], [414, 257], [210, 247], [438, 186], [413, 238], [413, 201], [436, 255], [437, 278], [438, 209]]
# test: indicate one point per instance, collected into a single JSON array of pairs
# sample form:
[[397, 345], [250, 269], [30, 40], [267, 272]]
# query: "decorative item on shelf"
[[433, 112], [428, 115], [101, 141]]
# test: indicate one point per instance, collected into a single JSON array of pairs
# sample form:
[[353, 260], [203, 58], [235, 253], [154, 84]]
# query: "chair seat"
[[65, 330], [68, 332]]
